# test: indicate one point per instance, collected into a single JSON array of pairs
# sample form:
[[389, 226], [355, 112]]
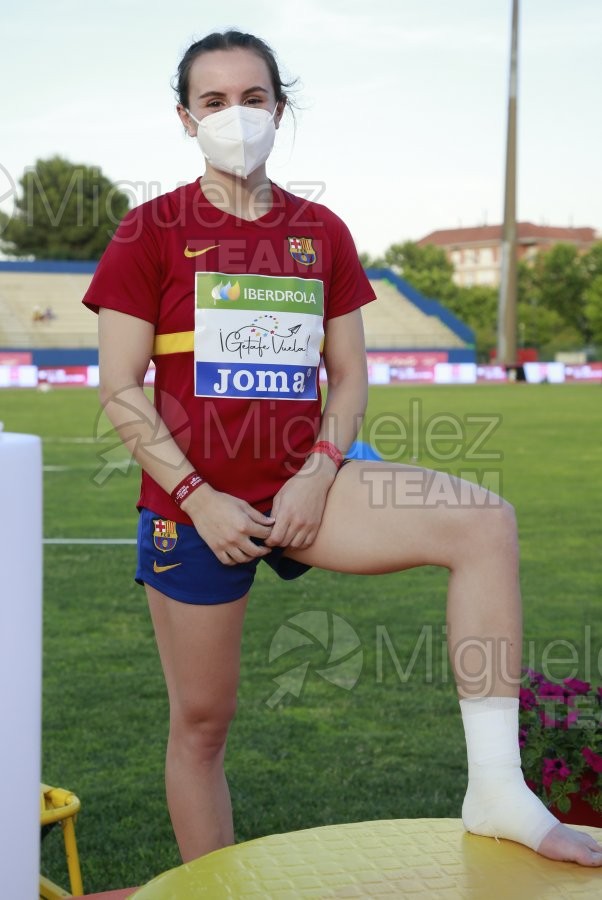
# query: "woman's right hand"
[[227, 524]]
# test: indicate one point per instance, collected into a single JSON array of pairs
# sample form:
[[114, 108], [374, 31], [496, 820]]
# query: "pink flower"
[[592, 759], [554, 770], [533, 676], [547, 689], [547, 721], [571, 718], [576, 686], [527, 699], [523, 734]]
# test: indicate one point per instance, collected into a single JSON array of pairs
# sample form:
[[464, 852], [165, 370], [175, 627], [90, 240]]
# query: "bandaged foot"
[[498, 803]]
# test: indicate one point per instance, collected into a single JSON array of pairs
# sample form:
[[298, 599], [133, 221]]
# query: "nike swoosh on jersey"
[[157, 568], [190, 253]]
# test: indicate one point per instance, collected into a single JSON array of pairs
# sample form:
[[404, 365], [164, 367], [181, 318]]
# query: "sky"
[[401, 106]]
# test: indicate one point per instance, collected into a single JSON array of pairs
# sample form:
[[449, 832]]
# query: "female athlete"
[[237, 290]]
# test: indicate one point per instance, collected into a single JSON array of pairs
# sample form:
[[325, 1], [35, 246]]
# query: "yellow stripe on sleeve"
[[178, 342]]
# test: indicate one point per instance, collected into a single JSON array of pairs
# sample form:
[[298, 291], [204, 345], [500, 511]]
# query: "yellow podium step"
[[418, 858]]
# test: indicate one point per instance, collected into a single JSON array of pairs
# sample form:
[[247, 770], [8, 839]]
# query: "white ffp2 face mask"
[[237, 139]]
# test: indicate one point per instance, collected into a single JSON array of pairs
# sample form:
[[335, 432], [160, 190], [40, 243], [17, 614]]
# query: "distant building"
[[476, 252]]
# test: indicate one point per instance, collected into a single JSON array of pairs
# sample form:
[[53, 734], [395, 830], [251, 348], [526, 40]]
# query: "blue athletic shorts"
[[175, 560]]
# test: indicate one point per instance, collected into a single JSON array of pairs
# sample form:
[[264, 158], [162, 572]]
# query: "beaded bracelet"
[[186, 487], [329, 450]]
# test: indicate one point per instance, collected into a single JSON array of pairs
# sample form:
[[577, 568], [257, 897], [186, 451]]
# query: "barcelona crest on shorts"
[[165, 535], [302, 250]]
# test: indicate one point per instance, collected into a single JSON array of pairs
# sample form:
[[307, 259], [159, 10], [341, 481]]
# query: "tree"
[[65, 211], [593, 308], [365, 260], [477, 307], [371, 262], [539, 326], [556, 281], [559, 294], [427, 268], [591, 262]]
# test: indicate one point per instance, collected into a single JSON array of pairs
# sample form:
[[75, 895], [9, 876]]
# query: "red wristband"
[[186, 487], [329, 450]]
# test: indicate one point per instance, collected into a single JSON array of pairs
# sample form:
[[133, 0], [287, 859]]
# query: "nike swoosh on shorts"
[[157, 568]]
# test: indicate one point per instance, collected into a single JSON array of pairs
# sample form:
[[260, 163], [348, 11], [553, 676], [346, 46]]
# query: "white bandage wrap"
[[498, 803]]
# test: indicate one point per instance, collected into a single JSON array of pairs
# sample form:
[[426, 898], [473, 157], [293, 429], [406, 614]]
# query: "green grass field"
[[392, 746]]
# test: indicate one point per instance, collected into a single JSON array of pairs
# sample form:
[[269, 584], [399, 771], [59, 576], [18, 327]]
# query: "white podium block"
[[20, 663]]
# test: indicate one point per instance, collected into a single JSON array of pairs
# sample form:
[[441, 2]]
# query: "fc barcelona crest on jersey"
[[302, 250], [165, 535]]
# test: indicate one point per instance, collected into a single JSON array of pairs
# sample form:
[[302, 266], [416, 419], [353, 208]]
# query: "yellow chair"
[[58, 805]]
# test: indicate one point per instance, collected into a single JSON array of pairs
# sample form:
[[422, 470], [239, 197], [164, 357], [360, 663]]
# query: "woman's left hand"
[[299, 504]]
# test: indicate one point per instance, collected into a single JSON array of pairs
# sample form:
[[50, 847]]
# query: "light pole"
[[506, 323]]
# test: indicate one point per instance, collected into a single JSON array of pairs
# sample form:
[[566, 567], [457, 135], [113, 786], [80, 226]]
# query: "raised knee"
[[505, 520], [488, 529], [496, 526]]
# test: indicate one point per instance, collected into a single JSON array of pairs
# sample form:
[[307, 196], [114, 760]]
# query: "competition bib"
[[257, 336]]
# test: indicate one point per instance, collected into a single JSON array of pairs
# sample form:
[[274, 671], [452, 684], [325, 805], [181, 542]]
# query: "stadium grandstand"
[[41, 312], [403, 319]]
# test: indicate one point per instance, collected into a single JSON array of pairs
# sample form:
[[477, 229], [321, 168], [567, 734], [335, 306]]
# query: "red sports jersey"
[[238, 309]]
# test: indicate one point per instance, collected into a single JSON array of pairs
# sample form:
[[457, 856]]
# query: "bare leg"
[[199, 648], [369, 530], [385, 518]]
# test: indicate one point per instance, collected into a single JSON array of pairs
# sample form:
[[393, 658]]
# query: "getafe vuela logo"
[[191, 253]]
